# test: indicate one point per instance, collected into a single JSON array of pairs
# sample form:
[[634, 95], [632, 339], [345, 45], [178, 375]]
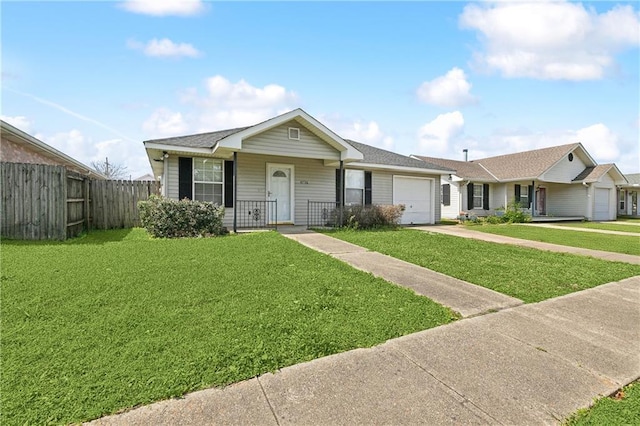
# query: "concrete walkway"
[[532, 364], [575, 228], [463, 297], [465, 232]]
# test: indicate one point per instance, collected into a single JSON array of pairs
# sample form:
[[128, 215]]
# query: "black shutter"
[[367, 188], [185, 178], [469, 196], [517, 195], [485, 196], [530, 195], [338, 186], [228, 183], [446, 194]]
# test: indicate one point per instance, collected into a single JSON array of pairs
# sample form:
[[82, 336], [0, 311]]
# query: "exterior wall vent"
[[294, 133], [571, 156]]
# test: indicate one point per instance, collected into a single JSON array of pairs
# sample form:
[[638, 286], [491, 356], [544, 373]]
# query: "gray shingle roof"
[[633, 178], [468, 170], [201, 140], [373, 155]]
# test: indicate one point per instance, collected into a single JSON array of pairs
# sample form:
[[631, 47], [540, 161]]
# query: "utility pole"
[[106, 169]]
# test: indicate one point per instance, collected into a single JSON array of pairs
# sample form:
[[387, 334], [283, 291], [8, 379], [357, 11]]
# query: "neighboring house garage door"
[[601, 211], [416, 195]]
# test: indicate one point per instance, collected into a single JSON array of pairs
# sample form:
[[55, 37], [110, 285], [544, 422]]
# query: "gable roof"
[[17, 136], [633, 179], [467, 170], [527, 164], [373, 155], [200, 140]]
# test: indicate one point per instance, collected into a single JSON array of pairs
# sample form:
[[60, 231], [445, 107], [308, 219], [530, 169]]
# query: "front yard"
[[628, 244], [528, 274], [115, 319], [604, 226]]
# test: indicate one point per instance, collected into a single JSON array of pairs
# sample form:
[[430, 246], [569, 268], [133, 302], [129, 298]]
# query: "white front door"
[[280, 189]]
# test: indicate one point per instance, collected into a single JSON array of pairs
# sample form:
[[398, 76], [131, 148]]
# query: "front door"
[[280, 189], [541, 202]]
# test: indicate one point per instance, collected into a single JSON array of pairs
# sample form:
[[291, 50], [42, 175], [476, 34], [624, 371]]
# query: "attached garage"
[[602, 206], [416, 193]]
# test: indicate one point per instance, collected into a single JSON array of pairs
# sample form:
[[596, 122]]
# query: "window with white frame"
[[477, 196], [354, 187], [524, 196], [208, 180], [623, 194]]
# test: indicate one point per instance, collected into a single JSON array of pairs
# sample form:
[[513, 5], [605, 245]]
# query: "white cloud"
[[550, 40], [164, 48], [449, 90], [165, 123], [164, 7], [19, 121], [436, 136], [358, 130], [222, 105]]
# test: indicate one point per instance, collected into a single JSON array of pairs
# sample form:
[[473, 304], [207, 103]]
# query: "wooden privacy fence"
[[41, 202]]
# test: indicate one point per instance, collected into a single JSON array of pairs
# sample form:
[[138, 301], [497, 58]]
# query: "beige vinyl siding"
[[497, 196], [381, 187], [565, 171], [276, 142], [566, 200], [312, 181], [172, 177]]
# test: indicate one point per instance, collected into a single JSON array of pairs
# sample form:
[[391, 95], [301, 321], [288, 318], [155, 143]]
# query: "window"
[[445, 195], [207, 179], [294, 133], [477, 196], [524, 196], [354, 187], [622, 198]]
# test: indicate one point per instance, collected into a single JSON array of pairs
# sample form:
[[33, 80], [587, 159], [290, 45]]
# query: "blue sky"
[[95, 79]]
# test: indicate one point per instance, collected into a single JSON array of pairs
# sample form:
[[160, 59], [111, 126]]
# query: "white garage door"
[[416, 195], [601, 211]]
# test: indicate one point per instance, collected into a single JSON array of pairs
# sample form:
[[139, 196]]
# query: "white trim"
[[176, 148], [289, 133], [292, 197], [432, 184], [366, 166], [193, 178]]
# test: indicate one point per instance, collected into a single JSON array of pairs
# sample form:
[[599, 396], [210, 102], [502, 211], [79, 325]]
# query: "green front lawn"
[[606, 242], [620, 409], [115, 319], [603, 226], [528, 274]]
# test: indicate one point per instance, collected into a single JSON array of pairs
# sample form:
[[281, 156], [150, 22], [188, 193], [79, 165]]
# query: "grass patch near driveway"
[[623, 408], [627, 244], [528, 274], [603, 226], [116, 319]]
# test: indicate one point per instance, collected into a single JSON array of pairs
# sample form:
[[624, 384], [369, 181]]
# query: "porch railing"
[[322, 214], [256, 214]]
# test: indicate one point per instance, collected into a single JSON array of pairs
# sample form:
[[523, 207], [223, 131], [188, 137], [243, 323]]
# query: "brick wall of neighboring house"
[[12, 152]]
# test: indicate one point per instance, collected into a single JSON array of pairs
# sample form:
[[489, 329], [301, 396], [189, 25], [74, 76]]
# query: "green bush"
[[165, 218], [515, 214], [368, 217]]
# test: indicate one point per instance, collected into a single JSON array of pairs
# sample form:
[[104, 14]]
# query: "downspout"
[[235, 191], [341, 197]]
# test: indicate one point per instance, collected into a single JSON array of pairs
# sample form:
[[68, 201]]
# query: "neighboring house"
[[560, 181], [20, 147], [146, 177], [628, 196], [295, 160]]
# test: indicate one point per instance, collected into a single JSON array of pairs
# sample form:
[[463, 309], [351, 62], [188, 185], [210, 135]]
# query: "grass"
[[528, 274], [621, 409], [603, 226], [606, 242], [116, 319]]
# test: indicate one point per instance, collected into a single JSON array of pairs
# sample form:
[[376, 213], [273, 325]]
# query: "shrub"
[[494, 220], [165, 218], [369, 217], [515, 214]]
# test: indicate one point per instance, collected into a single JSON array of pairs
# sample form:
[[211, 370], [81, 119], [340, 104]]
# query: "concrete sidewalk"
[[463, 297], [465, 232], [532, 364]]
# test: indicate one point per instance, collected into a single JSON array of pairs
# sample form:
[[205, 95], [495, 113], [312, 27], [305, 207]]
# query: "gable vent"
[[294, 133]]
